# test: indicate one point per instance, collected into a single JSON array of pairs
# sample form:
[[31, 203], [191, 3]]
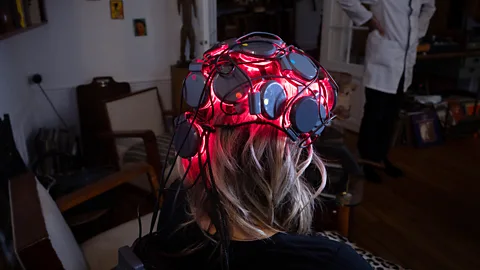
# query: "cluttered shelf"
[[20, 30], [429, 120], [431, 56], [18, 17]]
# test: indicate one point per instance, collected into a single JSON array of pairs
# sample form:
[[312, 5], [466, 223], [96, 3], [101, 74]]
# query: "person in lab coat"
[[395, 29]]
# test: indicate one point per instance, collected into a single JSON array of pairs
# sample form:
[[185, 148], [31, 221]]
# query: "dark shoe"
[[392, 170], [371, 175]]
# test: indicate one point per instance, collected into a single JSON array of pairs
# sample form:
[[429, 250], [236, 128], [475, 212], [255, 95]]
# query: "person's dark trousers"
[[380, 114]]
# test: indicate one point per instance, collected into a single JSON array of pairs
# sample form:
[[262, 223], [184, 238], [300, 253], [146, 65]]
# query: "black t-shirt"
[[286, 251], [281, 251]]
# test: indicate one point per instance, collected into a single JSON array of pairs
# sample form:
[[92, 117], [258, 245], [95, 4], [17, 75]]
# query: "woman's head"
[[258, 173], [248, 94]]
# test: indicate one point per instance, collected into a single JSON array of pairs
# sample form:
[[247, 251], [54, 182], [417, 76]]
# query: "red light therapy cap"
[[255, 79]]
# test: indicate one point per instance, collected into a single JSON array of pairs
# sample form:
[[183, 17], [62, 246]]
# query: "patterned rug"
[[376, 262]]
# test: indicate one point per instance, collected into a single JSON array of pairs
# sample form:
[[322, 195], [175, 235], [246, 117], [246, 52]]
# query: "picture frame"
[[427, 129], [472, 109], [140, 27], [116, 10]]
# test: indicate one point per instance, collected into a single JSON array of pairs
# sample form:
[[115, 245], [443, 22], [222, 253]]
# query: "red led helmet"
[[258, 79]]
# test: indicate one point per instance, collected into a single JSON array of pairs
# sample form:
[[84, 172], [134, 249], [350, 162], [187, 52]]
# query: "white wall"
[[307, 25], [80, 42], [15, 95]]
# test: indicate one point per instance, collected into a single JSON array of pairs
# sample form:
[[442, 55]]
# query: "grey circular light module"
[[186, 140], [273, 98], [303, 116], [302, 65], [260, 49], [323, 117], [194, 85], [232, 87]]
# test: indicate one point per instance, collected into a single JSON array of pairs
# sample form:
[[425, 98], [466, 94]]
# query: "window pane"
[[357, 50], [338, 44]]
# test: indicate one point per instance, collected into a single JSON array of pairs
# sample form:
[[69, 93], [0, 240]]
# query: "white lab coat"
[[388, 57]]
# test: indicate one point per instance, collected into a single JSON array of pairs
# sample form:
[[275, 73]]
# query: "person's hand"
[[374, 24]]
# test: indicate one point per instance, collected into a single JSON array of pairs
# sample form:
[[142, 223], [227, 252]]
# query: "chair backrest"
[[93, 120], [11, 164], [42, 238], [137, 111]]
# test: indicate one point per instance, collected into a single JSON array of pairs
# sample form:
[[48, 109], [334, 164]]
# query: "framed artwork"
[[457, 111], [426, 128], [471, 109], [140, 27], [116, 9]]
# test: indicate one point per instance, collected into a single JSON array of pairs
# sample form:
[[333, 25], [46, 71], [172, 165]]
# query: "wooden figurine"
[[185, 9]]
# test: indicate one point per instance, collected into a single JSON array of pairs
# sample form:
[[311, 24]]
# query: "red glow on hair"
[[329, 94], [202, 137]]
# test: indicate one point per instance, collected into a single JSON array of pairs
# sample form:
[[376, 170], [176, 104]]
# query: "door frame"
[[334, 18], [207, 36]]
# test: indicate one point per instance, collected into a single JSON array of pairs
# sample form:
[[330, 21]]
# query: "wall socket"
[[35, 79]]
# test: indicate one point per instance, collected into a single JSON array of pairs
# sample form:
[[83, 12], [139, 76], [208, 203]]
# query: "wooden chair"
[[42, 238], [138, 123], [93, 120], [345, 184]]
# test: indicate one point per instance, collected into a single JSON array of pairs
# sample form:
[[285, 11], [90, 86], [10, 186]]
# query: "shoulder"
[[313, 240], [335, 254]]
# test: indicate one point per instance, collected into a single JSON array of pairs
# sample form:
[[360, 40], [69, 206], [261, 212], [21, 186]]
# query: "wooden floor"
[[430, 219]]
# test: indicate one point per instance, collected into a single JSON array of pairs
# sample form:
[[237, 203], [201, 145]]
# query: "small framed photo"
[[471, 109], [140, 27], [426, 127], [116, 9]]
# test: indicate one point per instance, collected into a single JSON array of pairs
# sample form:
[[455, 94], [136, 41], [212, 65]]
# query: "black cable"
[[162, 177], [191, 186], [139, 222], [252, 34], [279, 54], [214, 212], [53, 106], [220, 216], [258, 122]]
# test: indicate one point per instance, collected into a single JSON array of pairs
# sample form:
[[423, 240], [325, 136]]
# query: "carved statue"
[[185, 9]]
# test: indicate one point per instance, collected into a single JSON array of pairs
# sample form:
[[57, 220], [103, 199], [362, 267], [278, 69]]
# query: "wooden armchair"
[[137, 121], [42, 238]]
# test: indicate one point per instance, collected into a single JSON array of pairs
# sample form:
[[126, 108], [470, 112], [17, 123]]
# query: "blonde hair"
[[258, 173]]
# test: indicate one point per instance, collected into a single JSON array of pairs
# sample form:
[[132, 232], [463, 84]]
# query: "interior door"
[[207, 25], [343, 50]]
